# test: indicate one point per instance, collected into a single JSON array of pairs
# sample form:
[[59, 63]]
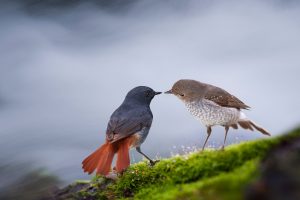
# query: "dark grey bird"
[[213, 106], [127, 128]]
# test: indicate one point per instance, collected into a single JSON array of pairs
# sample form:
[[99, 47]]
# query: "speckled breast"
[[210, 113]]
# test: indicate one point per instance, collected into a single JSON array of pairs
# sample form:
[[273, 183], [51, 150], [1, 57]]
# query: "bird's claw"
[[152, 163], [112, 176]]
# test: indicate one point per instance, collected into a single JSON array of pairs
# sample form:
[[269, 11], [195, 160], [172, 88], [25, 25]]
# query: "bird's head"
[[141, 94], [187, 90]]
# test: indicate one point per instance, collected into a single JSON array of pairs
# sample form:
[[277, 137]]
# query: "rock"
[[87, 190], [280, 174]]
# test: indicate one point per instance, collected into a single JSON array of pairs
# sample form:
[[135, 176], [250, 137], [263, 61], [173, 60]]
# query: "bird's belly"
[[210, 113], [139, 137]]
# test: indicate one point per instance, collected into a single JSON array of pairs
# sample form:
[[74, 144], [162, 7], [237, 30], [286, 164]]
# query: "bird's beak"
[[157, 93], [169, 92]]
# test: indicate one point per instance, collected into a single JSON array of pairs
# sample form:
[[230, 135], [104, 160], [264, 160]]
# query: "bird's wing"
[[124, 123], [223, 98]]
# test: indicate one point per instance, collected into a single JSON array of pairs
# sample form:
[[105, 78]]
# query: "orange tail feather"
[[123, 159], [100, 160]]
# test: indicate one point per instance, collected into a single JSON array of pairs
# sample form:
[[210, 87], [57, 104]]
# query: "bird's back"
[[128, 119], [223, 98]]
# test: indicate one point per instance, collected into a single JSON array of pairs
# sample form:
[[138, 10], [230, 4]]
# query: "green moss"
[[208, 175], [226, 185], [190, 168]]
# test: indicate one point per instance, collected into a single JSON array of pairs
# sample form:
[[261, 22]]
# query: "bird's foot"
[[112, 176], [118, 173], [222, 148], [152, 163]]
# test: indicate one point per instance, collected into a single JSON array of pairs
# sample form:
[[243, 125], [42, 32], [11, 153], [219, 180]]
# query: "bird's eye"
[[181, 95], [147, 93]]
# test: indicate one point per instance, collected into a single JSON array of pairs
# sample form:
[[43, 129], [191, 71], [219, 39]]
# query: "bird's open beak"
[[157, 93], [169, 92]]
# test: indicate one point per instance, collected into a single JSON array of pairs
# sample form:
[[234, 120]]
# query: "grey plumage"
[[132, 117], [128, 127]]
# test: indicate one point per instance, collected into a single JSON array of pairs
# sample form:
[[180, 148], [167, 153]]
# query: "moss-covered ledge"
[[200, 175]]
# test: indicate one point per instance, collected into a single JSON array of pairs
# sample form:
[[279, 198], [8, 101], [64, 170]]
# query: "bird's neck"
[[135, 102]]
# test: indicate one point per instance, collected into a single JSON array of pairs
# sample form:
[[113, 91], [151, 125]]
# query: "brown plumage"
[[213, 106], [192, 89]]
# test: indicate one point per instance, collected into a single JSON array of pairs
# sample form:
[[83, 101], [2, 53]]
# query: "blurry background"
[[65, 66]]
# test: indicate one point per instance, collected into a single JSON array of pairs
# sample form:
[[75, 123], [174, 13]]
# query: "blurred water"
[[62, 73]]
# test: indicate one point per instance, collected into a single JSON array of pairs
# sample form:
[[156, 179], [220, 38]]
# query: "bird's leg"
[[152, 163], [226, 131], [208, 134]]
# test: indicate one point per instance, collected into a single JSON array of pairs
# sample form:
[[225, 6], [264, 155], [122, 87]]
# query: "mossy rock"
[[211, 174]]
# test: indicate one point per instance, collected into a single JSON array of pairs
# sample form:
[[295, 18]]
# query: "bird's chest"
[[210, 113]]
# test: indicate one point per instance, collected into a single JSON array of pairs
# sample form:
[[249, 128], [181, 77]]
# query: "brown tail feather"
[[101, 160], [234, 126], [247, 124], [260, 129]]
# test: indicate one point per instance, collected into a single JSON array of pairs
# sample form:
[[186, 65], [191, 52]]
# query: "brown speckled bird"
[[213, 106]]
